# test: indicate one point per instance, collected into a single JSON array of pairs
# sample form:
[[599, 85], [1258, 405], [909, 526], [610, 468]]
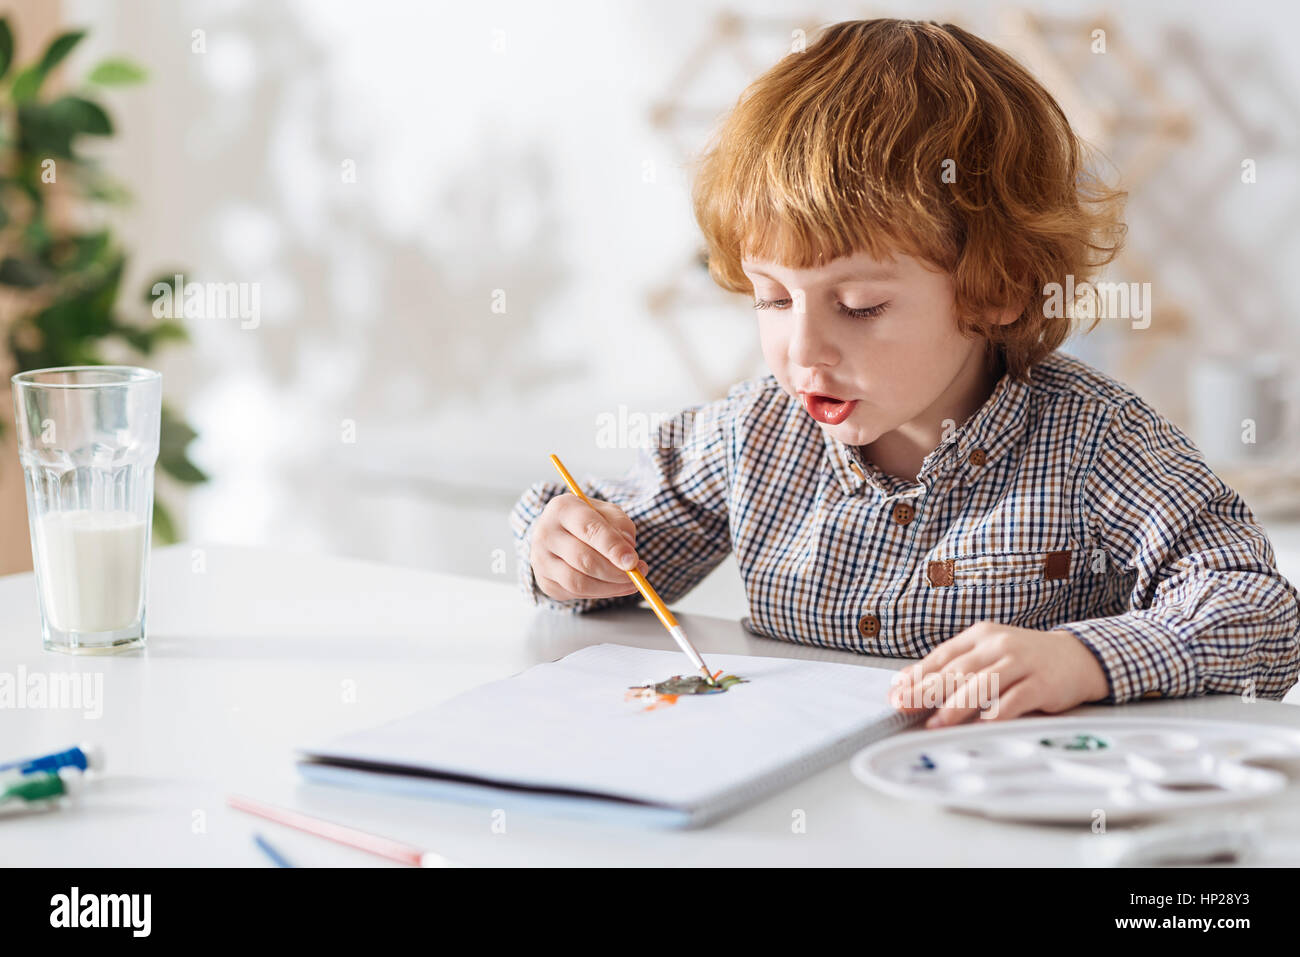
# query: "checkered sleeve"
[[1208, 610], [676, 496]]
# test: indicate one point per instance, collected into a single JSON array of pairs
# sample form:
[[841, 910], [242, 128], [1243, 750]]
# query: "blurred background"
[[433, 242]]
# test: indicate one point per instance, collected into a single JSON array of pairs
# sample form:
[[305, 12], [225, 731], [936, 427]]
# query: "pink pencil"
[[374, 844]]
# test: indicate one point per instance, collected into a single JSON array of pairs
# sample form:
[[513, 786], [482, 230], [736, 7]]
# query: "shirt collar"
[[971, 449]]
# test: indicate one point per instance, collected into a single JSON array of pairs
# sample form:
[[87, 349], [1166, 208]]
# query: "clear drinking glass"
[[88, 441]]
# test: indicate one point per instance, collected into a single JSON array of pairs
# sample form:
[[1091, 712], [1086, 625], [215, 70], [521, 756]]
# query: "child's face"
[[866, 346]]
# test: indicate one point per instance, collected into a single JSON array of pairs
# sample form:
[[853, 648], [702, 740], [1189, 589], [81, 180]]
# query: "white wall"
[[478, 168]]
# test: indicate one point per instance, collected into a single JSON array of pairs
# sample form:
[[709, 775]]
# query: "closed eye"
[[868, 312]]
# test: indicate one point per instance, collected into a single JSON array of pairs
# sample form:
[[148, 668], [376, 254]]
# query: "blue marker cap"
[[85, 757]]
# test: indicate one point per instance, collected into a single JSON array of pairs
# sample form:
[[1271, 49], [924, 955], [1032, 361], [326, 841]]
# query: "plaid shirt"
[[1062, 503]]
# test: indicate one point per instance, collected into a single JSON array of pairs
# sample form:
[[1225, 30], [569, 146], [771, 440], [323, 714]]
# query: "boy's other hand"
[[1002, 670], [584, 551]]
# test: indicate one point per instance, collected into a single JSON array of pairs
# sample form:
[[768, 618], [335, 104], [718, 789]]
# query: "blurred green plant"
[[60, 281]]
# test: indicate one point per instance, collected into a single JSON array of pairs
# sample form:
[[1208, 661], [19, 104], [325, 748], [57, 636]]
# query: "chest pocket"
[[998, 569]]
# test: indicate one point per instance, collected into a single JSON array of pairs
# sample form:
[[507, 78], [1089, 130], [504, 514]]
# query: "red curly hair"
[[842, 148]]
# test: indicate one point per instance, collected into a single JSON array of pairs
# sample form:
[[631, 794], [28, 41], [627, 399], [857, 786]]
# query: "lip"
[[812, 391], [826, 408], [823, 393]]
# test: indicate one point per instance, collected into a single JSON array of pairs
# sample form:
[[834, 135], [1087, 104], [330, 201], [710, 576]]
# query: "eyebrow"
[[875, 274]]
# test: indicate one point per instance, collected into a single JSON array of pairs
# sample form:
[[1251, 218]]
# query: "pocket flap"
[[1001, 568]]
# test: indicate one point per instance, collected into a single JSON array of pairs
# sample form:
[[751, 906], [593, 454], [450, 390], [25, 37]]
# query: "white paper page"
[[566, 725]]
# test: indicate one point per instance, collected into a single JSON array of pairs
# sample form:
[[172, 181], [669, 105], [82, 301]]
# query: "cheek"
[[914, 352], [774, 343]]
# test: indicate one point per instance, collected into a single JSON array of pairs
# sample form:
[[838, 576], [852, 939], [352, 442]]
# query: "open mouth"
[[828, 408]]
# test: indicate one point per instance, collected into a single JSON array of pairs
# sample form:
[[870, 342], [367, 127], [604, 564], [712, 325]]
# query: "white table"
[[253, 652]]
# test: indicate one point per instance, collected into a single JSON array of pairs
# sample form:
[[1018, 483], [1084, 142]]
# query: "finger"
[[1000, 678], [981, 658], [958, 644], [583, 558], [921, 694], [618, 518], [567, 584], [588, 525], [563, 593], [989, 682], [1019, 701], [931, 690], [960, 706]]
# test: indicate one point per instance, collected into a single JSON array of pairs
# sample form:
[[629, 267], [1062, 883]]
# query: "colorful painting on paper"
[[664, 693]]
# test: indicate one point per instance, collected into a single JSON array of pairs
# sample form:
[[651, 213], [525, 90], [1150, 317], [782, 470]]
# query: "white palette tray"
[[1066, 769]]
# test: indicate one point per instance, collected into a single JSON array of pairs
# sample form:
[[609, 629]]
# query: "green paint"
[[692, 684]]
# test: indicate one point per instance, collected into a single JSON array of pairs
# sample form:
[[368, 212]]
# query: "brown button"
[[1153, 694], [868, 626], [1056, 565], [977, 457], [940, 573], [857, 470], [903, 513]]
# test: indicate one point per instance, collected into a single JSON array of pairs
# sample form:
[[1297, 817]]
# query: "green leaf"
[[164, 529], [170, 329], [6, 46], [138, 339], [29, 185], [107, 191], [81, 116], [39, 135], [147, 338], [37, 238], [59, 48], [117, 72], [76, 322], [182, 469], [87, 249], [175, 433], [166, 279], [26, 84], [47, 129]]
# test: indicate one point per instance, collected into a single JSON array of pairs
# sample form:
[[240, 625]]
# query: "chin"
[[851, 433]]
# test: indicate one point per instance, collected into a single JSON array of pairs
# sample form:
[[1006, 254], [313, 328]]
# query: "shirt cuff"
[[1141, 655]]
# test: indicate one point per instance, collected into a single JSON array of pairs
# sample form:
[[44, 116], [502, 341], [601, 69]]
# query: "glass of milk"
[[88, 440]]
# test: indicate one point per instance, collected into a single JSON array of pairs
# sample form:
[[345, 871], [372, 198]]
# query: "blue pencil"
[[276, 857]]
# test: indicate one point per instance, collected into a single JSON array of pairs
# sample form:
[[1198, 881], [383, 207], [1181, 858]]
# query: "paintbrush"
[[646, 589]]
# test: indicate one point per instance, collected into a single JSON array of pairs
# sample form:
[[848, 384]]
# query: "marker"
[[647, 591], [42, 786], [278, 859], [85, 757]]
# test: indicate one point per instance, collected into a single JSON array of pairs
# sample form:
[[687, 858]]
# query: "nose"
[[810, 344]]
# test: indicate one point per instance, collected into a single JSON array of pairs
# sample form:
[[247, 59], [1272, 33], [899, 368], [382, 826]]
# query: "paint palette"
[[1066, 769]]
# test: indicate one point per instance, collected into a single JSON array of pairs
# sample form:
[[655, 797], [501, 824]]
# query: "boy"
[[922, 474]]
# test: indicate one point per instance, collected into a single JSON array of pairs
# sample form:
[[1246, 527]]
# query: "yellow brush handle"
[[649, 594], [644, 587]]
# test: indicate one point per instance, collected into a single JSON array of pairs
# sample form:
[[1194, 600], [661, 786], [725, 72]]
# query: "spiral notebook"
[[564, 737]]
